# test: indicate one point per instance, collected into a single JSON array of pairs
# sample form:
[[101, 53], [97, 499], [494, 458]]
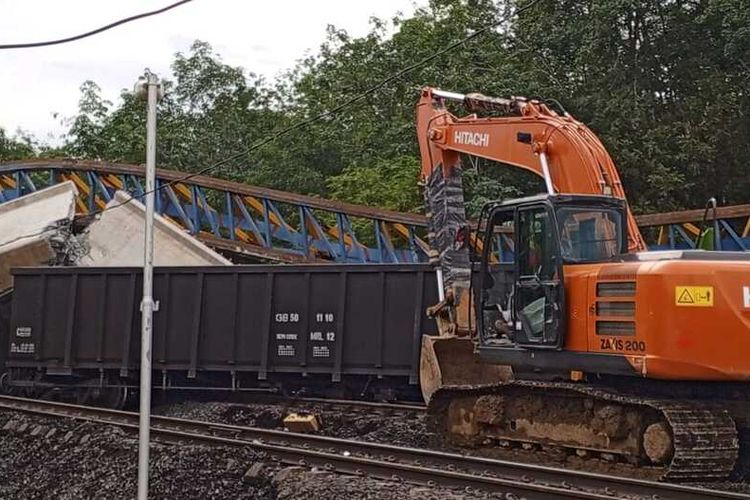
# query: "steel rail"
[[293, 400], [382, 460], [374, 405]]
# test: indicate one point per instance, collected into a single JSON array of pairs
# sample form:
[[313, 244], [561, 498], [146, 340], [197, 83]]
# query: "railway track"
[[381, 460], [333, 403]]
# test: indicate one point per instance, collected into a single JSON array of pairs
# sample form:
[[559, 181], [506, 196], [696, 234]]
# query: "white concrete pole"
[[149, 86]]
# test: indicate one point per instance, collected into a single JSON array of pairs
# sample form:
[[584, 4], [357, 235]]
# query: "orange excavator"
[[556, 327]]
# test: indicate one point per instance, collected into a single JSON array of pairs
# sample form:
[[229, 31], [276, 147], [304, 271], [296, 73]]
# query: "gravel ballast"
[[68, 459], [393, 426], [408, 428], [48, 458]]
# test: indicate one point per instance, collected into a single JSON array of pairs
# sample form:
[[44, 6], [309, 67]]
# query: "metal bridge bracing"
[[272, 225], [679, 230], [247, 220]]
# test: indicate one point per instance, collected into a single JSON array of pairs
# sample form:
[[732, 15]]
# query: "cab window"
[[589, 235]]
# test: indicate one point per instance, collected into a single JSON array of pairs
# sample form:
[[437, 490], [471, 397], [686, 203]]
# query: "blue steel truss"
[[245, 220], [270, 225], [680, 230]]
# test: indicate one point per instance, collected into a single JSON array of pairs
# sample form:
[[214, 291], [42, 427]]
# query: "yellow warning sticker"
[[695, 296]]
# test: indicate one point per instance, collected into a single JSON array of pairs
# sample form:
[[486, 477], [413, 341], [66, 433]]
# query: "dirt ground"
[[403, 428]]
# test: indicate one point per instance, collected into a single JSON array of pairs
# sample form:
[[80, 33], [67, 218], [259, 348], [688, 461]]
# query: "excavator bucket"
[[451, 362]]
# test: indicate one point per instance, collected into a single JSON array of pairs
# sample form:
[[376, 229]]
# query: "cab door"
[[539, 292]]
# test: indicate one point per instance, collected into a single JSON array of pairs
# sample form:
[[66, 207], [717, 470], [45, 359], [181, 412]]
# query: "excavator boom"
[[530, 136], [522, 133]]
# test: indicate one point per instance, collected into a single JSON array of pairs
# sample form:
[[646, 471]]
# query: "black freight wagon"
[[342, 327], [6, 303]]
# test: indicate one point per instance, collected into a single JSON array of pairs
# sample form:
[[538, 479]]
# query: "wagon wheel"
[[5, 388], [115, 396]]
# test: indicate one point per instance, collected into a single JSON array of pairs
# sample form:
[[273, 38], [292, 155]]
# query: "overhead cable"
[[31, 45]]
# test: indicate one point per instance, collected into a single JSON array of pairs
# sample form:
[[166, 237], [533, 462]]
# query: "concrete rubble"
[[37, 230], [116, 239]]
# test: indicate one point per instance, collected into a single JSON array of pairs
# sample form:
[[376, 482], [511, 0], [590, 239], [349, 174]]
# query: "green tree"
[[390, 184], [381, 129], [663, 83], [17, 147], [86, 128]]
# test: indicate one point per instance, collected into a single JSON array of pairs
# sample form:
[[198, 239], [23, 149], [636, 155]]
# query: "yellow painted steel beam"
[[257, 207], [8, 181], [746, 231], [113, 181], [662, 239], [403, 231], [691, 228]]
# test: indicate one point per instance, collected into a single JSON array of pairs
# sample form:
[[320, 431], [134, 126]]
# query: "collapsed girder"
[[272, 225], [256, 222]]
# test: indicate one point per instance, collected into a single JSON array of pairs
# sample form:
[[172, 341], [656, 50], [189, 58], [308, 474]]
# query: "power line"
[[330, 112], [92, 32]]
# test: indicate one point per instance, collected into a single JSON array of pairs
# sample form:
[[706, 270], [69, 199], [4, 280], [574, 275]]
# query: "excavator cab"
[[516, 308], [519, 285], [521, 293]]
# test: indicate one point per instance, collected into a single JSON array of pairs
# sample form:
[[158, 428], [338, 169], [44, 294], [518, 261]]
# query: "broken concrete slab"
[[116, 239], [34, 212], [35, 228]]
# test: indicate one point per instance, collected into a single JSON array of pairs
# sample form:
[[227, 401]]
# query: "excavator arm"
[[527, 134]]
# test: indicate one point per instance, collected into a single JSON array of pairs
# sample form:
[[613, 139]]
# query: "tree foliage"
[[16, 147], [386, 184], [664, 83]]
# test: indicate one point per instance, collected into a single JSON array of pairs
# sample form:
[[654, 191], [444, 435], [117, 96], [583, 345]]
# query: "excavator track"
[[688, 440]]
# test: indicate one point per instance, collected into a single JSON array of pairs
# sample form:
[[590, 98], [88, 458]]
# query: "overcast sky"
[[262, 36]]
